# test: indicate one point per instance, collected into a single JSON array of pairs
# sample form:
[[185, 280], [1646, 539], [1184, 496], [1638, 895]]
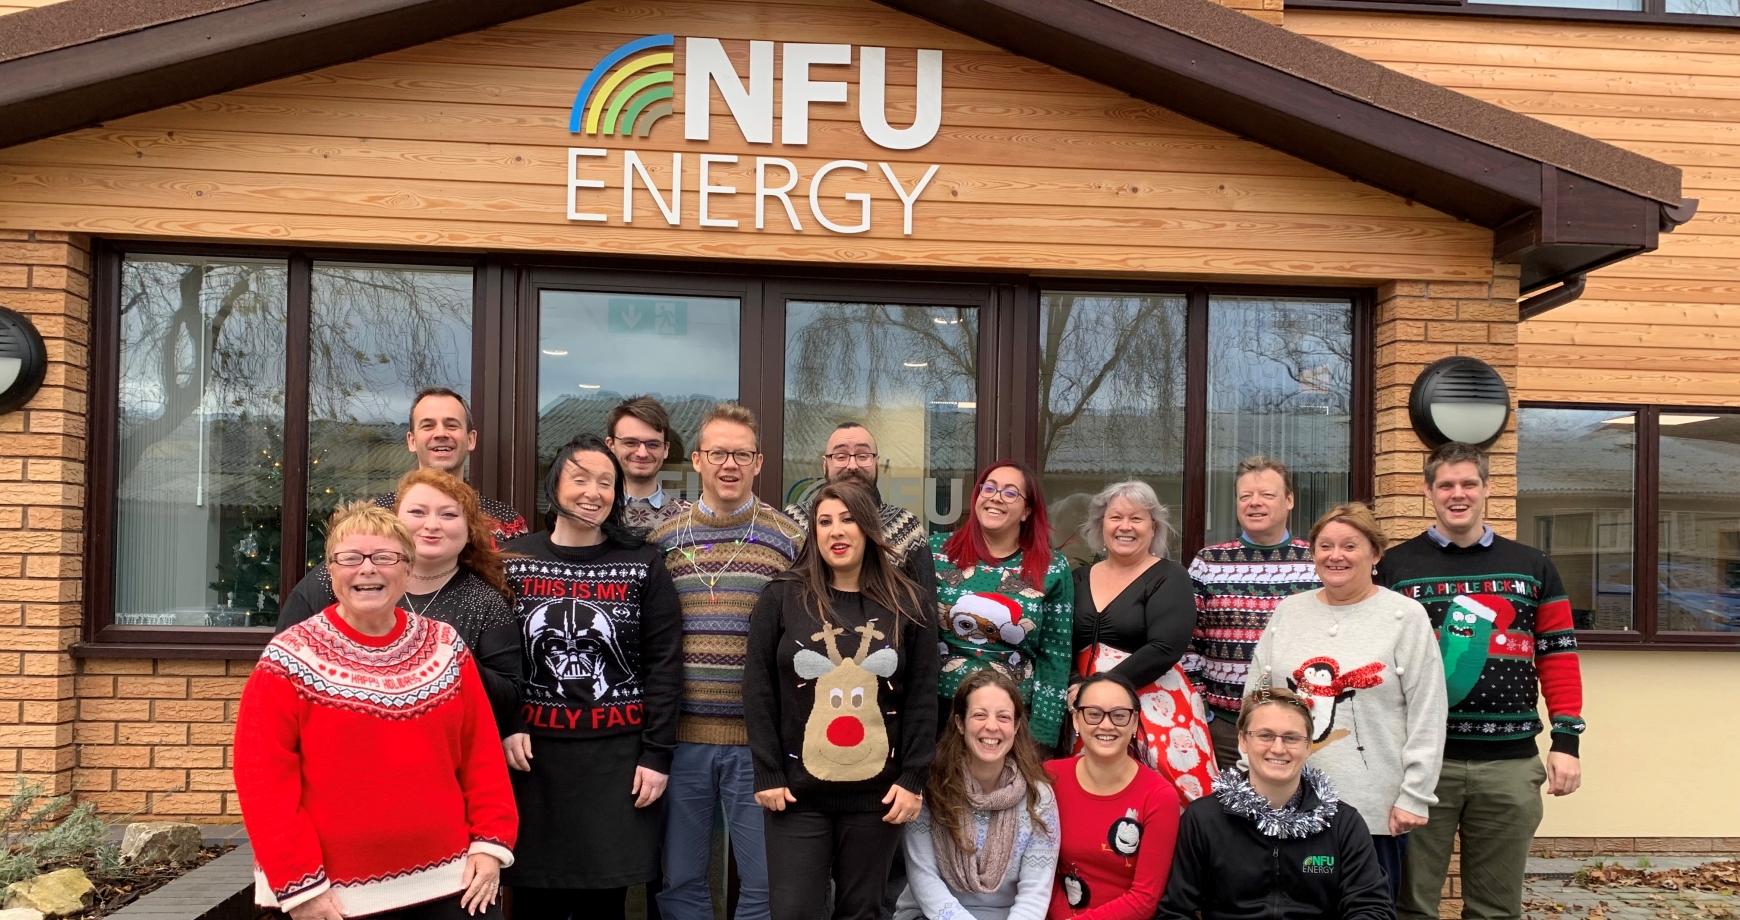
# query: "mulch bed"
[[120, 886], [1721, 877]]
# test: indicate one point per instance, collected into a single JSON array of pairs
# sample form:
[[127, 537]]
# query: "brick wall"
[[45, 276], [1419, 322]]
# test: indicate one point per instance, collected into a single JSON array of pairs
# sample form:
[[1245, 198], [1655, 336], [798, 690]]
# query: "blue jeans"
[[702, 777]]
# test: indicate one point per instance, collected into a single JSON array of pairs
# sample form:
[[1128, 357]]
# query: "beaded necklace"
[[747, 538]]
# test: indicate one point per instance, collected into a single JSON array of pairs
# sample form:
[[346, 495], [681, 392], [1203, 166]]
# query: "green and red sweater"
[[1504, 630]]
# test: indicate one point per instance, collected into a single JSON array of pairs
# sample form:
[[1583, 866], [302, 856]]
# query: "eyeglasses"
[[1009, 493], [842, 457], [383, 559], [1094, 715], [741, 457], [1267, 738], [635, 444]]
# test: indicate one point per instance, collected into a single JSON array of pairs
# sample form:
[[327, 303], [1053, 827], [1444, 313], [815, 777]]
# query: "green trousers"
[[1223, 731], [1496, 804]]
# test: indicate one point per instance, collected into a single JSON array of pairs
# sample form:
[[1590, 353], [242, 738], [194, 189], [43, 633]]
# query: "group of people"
[[889, 724]]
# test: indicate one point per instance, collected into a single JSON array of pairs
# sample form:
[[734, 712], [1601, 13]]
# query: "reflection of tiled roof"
[[1562, 453]]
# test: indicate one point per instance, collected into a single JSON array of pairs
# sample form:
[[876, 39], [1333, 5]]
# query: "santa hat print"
[[991, 616], [1493, 609]]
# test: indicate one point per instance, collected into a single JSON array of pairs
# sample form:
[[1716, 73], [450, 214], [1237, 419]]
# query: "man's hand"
[[323, 906], [518, 749], [1564, 773], [1403, 821], [775, 799], [649, 784]]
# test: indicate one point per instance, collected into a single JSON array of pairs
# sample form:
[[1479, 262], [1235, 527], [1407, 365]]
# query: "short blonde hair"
[[728, 412], [364, 518], [1357, 516], [1275, 696]]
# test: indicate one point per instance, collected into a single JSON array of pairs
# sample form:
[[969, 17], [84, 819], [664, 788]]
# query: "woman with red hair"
[[1006, 598]]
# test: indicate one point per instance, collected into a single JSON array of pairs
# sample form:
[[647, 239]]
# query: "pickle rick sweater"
[[1505, 633], [369, 766]]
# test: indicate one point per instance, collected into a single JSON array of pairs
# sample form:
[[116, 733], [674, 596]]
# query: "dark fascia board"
[[84, 84], [1442, 169]]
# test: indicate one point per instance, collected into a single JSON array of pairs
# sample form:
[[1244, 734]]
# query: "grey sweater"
[[1025, 893], [1375, 683]]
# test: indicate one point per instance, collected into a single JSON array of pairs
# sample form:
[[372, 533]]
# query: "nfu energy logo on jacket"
[[634, 88], [1319, 865]]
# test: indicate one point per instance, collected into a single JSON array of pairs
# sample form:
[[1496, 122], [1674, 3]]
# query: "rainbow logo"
[[623, 96]]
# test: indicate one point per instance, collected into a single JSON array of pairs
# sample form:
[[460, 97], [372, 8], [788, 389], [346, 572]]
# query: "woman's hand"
[[1403, 821], [518, 749], [649, 784], [903, 804], [482, 881], [323, 906], [775, 799]]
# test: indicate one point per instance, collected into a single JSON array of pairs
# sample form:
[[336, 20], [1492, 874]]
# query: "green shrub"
[[43, 831]]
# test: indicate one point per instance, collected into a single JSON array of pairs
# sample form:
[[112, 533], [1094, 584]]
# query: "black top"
[[1224, 868], [839, 722], [467, 603], [1151, 619], [603, 636]]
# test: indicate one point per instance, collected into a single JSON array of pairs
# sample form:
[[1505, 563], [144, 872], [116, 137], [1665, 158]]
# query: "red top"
[[1115, 850], [369, 765]]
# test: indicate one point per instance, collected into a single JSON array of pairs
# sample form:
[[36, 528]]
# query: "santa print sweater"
[[1371, 675], [1115, 851], [1509, 641], [369, 766], [838, 719], [603, 643], [1238, 585]]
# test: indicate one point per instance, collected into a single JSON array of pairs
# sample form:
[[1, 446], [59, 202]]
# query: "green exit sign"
[[648, 316]]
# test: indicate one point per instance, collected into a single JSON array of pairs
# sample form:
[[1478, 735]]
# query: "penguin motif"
[[1125, 835], [1075, 889]]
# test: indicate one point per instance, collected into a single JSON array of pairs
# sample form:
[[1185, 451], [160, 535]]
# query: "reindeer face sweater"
[[838, 713]]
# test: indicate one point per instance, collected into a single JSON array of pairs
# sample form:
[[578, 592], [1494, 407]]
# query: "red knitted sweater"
[[369, 766]]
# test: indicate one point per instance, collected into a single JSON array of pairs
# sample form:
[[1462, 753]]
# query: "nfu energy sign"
[[633, 88]]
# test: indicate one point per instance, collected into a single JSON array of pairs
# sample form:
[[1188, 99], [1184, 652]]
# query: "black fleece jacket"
[[1225, 869]]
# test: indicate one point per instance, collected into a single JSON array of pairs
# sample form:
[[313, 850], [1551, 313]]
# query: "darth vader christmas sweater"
[[1506, 637], [837, 712], [603, 643]]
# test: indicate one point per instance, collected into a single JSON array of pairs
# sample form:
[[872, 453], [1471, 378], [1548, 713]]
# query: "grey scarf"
[[982, 872]]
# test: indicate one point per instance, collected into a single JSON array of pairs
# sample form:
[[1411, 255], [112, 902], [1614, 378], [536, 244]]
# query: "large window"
[[1639, 509]]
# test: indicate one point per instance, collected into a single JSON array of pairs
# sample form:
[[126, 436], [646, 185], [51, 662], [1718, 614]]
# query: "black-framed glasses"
[[717, 457], [1267, 738], [842, 457], [653, 445], [1121, 716], [1009, 493], [382, 560]]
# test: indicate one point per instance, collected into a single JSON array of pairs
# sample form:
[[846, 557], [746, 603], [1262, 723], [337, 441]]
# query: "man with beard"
[[442, 437], [851, 454]]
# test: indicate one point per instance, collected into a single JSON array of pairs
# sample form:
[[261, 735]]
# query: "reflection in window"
[[598, 349], [1698, 566], [1111, 400], [909, 374], [200, 451], [1633, 5], [1704, 7], [377, 335], [1280, 381], [1574, 503]]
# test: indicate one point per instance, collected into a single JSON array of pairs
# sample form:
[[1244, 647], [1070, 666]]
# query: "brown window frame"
[[1654, 12], [1645, 534], [504, 381]]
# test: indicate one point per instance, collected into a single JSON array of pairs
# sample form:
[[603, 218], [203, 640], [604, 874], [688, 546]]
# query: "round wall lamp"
[[1459, 399], [23, 360]]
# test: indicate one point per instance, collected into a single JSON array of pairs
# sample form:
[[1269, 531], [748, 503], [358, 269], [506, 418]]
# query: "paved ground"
[[1573, 889]]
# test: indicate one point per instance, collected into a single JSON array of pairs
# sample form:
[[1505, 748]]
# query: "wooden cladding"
[[463, 143], [1659, 327]]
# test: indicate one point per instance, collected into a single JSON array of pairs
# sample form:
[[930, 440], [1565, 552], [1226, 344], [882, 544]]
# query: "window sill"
[[1505, 11], [1668, 642], [225, 643]]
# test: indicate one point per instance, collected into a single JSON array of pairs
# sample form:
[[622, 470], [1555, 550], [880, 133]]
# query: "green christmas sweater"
[[992, 617]]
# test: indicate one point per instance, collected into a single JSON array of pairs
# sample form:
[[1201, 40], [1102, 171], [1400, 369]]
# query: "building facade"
[[1110, 237]]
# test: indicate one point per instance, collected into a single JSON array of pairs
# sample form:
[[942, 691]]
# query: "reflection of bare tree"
[[846, 353], [1114, 356], [378, 333], [1278, 356]]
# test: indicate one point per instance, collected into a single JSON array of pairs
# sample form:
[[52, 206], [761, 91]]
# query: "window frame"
[[1645, 533], [1654, 12], [504, 383]]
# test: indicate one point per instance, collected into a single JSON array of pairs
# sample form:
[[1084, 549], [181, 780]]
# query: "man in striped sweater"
[[1238, 585], [1506, 637], [721, 552]]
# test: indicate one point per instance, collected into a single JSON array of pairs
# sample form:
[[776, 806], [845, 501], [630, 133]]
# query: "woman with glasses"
[[1365, 662], [591, 742], [1119, 819], [456, 577], [1275, 840], [366, 757], [1005, 596], [1134, 611]]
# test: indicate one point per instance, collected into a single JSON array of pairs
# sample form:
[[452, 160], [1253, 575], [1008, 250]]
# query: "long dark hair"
[[966, 547], [946, 793], [879, 579], [480, 554], [614, 530], [1138, 744]]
